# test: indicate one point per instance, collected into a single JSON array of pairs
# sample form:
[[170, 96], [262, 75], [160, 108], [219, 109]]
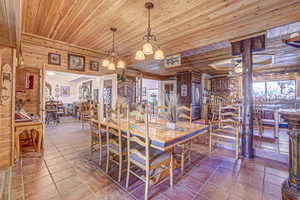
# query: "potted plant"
[[171, 111]]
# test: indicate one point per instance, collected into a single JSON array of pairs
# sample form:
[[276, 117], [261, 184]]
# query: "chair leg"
[[182, 161], [100, 152], [190, 151], [171, 169], [210, 143], [147, 184], [128, 174], [120, 168], [237, 149], [107, 161]]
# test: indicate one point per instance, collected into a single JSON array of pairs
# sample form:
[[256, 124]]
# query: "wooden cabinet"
[[188, 91], [221, 84]]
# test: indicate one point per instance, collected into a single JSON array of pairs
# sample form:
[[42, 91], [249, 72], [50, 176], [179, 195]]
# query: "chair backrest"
[[229, 116], [162, 112], [113, 129], [258, 110], [184, 113], [51, 107], [85, 107], [139, 135]]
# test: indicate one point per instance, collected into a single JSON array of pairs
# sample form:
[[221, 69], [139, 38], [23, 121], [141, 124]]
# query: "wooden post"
[[247, 127], [245, 48]]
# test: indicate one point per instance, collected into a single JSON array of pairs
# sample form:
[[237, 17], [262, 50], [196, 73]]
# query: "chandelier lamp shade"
[[112, 62], [150, 41]]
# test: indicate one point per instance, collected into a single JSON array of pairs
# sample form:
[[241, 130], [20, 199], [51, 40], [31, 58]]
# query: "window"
[[275, 89]]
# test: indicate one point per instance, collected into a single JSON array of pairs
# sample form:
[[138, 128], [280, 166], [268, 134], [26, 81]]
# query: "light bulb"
[[112, 66], [105, 63], [121, 64], [238, 70], [139, 55], [159, 55], [147, 49]]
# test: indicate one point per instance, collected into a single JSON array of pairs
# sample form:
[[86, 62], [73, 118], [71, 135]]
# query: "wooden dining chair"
[[214, 105], [153, 162], [258, 116], [228, 128], [98, 131], [184, 113], [162, 112], [115, 147], [85, 113]]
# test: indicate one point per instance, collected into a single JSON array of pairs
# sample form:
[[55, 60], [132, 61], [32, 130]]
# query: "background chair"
[[162, 112], [184, 113], [85, 113], [258, 115], [98, 131], [51, 114], [115, 147], [153, 162], [228, 128]]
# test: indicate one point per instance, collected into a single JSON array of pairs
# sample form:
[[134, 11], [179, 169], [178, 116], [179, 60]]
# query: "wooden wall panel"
[[6, 113], [35, 53]]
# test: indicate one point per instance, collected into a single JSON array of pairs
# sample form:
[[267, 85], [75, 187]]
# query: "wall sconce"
[[6, 81]]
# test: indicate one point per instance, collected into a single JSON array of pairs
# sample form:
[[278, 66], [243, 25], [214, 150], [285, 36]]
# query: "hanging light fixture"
[[113, 61], [150, 41]]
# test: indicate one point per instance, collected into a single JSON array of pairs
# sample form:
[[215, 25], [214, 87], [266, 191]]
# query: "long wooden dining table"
[[162, 138]]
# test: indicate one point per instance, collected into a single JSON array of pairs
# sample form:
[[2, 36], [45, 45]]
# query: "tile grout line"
[[114, 181], [206, 182], [60, 195], [23, 184]]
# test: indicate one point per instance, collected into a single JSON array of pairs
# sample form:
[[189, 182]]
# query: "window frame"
[[276, 80]]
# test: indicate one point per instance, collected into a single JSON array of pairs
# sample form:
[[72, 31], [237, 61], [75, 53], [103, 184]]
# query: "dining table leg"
[[171, 167], [17, 142]]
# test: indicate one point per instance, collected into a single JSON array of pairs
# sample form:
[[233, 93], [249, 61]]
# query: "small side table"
[[21, 127]]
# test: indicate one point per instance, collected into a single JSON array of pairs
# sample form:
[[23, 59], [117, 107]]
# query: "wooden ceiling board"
[[180, 25]]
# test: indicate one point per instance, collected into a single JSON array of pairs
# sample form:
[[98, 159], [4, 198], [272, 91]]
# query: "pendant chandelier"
[[150, 40], [113, 61]]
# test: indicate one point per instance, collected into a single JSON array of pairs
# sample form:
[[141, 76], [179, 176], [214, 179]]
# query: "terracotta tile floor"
[[66, 172]]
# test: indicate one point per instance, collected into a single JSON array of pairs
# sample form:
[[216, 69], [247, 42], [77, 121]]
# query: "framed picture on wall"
[[65, 91], [29, 81], [76, 62], [94, 66], [54, 59]]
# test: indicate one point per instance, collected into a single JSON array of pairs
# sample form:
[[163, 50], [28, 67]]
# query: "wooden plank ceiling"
[[180, 25]]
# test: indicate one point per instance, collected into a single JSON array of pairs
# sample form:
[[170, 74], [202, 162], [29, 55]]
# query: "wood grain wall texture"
[[35, 53], [6, 112]]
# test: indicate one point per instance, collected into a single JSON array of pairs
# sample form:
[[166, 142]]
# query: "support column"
[[245, 47], [247, 126]]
